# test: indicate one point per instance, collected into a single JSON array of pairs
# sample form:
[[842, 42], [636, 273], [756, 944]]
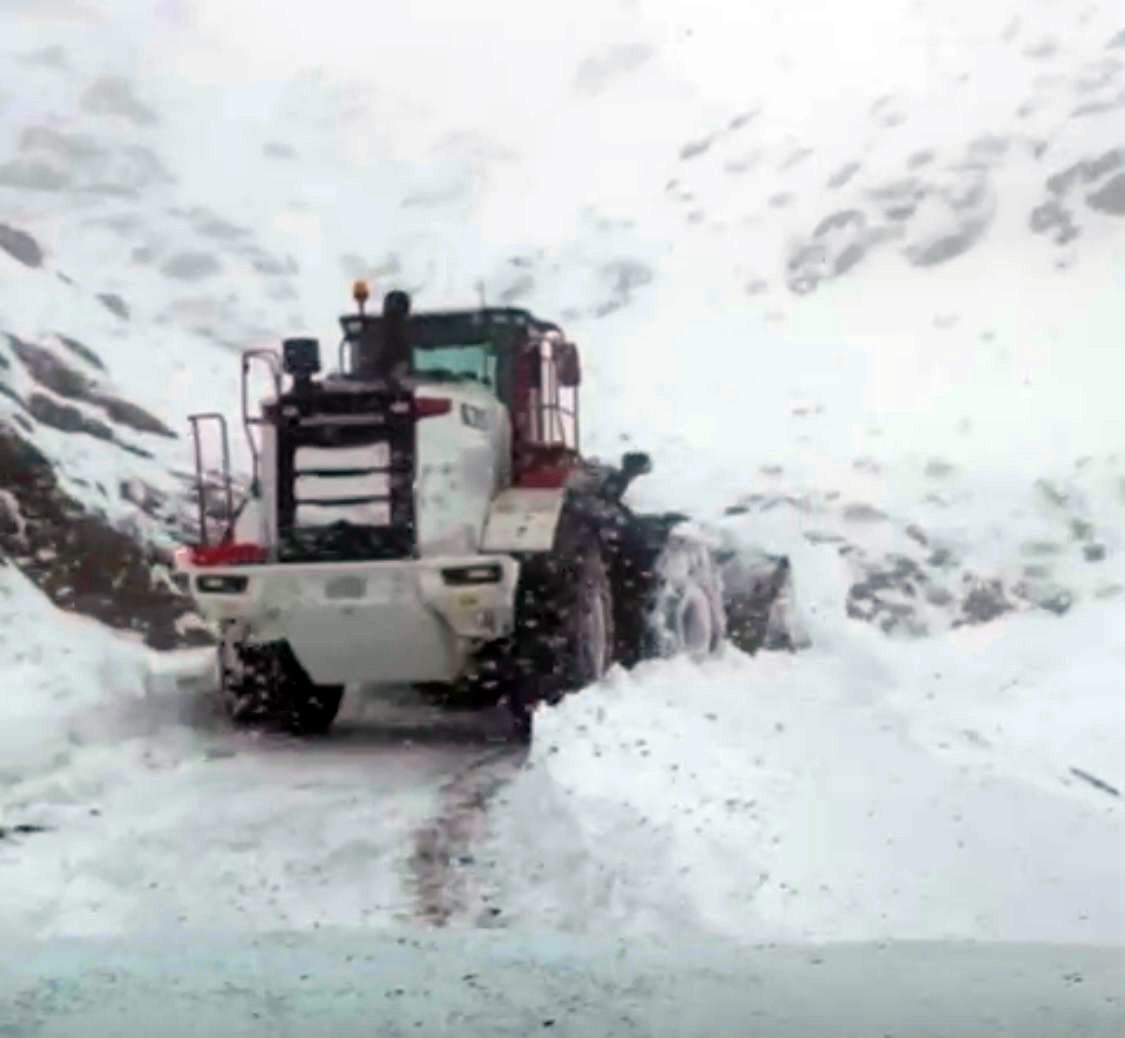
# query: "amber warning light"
[[360, 294]]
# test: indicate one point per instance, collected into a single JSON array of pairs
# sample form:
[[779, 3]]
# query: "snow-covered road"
[[154, 814], [862, 790]]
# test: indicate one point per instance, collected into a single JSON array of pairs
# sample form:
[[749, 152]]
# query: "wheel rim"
[[696, 629]]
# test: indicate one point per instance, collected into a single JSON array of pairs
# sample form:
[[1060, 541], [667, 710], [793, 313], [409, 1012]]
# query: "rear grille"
[[346, 465]]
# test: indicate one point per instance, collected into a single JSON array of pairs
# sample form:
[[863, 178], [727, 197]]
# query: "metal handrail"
[[270, 358], [195, 419]]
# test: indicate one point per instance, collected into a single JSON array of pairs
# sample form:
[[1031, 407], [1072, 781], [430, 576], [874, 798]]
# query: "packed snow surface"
[[856, 277]]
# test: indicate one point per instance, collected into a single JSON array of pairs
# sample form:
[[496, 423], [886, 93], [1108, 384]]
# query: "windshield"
[[476, 362]]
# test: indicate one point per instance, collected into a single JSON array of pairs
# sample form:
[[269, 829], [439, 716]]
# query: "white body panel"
[[463, 461], [378, 622], [523, 520]]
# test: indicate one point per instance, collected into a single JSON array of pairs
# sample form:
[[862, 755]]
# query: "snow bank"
[[76, 700], [864, 790]]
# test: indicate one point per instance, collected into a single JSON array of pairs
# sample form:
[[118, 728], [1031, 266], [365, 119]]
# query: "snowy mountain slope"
[[663, 192], [919, 404]]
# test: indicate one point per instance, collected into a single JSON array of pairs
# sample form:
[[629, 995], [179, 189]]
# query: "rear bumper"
[[410, 620]]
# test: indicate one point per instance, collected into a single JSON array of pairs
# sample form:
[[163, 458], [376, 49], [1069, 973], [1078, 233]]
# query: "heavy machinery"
[[423, 515]]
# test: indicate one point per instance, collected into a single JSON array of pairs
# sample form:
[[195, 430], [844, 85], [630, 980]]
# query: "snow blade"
[[758, 599]]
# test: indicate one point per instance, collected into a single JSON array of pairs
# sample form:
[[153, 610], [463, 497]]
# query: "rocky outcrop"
[[81, 562]]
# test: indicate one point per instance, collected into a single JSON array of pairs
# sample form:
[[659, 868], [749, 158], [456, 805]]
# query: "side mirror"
[[567, 364], [300, 357], [635, 463]]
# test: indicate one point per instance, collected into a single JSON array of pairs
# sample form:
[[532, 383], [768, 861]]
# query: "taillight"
[[431, 406], [234, 553], [480, 573], [221, 583]]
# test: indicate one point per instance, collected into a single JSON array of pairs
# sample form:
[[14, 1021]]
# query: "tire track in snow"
[[440, 866]]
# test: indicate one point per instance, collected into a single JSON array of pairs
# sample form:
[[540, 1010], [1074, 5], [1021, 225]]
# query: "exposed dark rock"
[[1094, 552], [33, 175], [66, 417], [72, 148], [918, 535], [113, 95], [51, 57], [938, 469], [23, 829], [989, 147], [1086, 171], [1081, 530], [941, 558], [843, 175], [78, 560], [1099, 107], [1046, 48], [796, 158], [695, 148], [1052, 216], [81, 350], [624, 276], [860, 512], [278, 150], [1056, 600], [43, 366], [886, 595], [132, 448], [1097, 783], [844, 219], [20, 246], [848, 257], [134, 416], [273, 267], [190, 266], [939, 596], [60, 378], [114, 304], [597, 72], [1110, 197], [943, 249], [1040, 549], [985, 602]]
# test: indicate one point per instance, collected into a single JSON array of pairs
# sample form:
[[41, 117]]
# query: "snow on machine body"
[[423, 515]]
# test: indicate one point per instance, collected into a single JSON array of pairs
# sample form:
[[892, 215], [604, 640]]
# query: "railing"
[[270, 359], [200, 488]]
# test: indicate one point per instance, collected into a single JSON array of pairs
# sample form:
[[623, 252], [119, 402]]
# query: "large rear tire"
[[685, 614], [263, 685], [564, 625]]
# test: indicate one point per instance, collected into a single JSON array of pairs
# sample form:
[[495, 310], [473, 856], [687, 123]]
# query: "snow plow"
[[423, 515]]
